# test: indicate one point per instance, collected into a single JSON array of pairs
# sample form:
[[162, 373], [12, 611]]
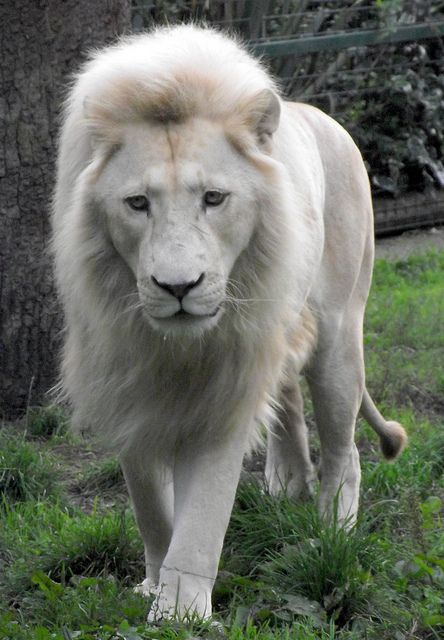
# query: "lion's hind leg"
[[336, 380], [288, 467]]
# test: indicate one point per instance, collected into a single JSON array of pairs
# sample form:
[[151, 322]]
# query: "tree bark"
[[41, 43]]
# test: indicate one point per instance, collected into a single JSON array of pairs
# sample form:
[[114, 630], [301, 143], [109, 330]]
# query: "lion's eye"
[[138, 203], [214, 198]]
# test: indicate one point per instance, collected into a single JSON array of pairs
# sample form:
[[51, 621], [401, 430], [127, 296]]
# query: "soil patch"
[[410, 243]]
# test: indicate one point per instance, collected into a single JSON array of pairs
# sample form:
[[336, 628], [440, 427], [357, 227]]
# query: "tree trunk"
[[41, 42]]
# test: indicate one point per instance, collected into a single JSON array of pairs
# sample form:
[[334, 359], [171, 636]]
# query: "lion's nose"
[[180, 289]]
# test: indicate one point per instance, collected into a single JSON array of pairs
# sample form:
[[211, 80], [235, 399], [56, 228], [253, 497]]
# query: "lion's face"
[[181, 206]]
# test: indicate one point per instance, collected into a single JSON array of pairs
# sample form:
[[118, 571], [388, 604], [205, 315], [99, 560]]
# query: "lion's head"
[[181, 204], [173, 191]]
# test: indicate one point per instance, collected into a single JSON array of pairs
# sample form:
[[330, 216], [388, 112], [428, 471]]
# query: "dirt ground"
[[410, 243]]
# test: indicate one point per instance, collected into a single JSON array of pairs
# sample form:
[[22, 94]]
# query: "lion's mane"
[[122, 378]]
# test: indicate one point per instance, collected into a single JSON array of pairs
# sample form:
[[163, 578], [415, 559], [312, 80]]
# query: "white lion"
[[211, 241]]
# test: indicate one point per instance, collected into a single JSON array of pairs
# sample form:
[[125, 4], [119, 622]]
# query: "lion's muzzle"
[[181, 306], [180, 289]]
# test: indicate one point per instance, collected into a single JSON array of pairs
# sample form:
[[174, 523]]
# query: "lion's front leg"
[[150, 486], [205, 481]]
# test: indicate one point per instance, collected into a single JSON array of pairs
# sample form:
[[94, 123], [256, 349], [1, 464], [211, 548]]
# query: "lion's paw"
[[160, 608], [169, 604], [146, 588]]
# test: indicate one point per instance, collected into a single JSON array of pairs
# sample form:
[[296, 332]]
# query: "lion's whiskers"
[[231, 298], [242, 311], [130, 308]]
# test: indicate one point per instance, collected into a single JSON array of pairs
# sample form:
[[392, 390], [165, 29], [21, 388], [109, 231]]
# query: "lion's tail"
[[391, 434]]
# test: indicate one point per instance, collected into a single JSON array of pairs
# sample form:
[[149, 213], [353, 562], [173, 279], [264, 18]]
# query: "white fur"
[[287, 261]]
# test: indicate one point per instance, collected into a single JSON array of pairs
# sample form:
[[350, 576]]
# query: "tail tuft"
[[391, 434], [393, 440]]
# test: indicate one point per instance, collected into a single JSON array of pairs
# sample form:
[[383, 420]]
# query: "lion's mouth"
[[185, 314], [182, 323]]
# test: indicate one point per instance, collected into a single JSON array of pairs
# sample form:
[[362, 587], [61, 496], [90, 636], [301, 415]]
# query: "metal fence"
[[364, 62]]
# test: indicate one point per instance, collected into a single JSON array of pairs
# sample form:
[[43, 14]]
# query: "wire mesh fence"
[[377, 66], [268, 20]]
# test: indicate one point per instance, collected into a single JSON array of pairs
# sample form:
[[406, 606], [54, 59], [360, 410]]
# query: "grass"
[[25, 473], [323, 571], [71, 543], [105, 476], [66, 571], [45, 422], [404, 337]]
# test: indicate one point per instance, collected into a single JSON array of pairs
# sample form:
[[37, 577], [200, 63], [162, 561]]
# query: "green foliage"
[[104, 476], [84, 602], [423, 461], [45, 422], [25, 472], [404, 341], [93, 546], [390, 98], [126, 630], [259, 523], [398, 125], [420, 576], [296, 562], [72, 544], [328, 565]]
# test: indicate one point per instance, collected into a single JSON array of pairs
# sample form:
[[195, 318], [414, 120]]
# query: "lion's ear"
[[265, 115]]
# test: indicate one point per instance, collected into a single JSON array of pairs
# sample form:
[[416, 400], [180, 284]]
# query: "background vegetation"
[[70, 552], [390, 98]]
